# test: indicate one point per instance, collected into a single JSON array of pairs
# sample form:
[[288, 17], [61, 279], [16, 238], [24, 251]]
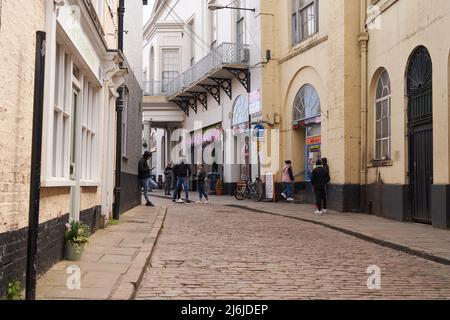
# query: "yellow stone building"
[[365, 84]]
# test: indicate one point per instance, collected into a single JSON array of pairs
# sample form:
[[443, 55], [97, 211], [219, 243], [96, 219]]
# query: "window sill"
[[86, 183], [380, 163], [55, 183]]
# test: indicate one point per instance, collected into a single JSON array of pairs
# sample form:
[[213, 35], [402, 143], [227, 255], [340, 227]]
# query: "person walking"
[[144, 176], [201, 176], [288, 181], [182, 173], [168, 177], [319, 180]]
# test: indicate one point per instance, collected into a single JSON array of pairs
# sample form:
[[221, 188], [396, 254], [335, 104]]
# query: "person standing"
[[201, 176], [182, 173], [319, 180], [288, 181], [144, 176], [168, 177], [327, 168]]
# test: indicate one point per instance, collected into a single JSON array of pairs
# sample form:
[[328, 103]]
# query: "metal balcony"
[[209, 76], [153, 88], [231, 55]]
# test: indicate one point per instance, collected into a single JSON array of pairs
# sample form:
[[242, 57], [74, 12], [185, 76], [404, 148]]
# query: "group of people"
[[181, 172], [320, 177], [178, 175]]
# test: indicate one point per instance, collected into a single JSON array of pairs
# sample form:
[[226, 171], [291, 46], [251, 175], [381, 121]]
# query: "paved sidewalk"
[[113, 262], [413, 238]]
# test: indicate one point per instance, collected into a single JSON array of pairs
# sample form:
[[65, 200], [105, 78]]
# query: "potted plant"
[[219, 188], [76, 236]]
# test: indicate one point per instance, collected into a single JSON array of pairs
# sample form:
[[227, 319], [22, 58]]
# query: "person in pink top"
[[288, 181]]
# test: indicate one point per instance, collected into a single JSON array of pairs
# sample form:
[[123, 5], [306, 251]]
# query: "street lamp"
[[214, 7]]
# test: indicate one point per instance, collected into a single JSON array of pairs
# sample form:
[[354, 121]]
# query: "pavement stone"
[[217, 252], [113, 261]]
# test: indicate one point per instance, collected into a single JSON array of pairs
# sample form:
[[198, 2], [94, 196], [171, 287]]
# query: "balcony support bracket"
[[225, 85], [213, 90], [201, 97], [183, 104], [243, 75]]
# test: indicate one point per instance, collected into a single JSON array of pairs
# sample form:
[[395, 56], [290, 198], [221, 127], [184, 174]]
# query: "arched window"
[[306, 104], [383, 118], [240, 112]]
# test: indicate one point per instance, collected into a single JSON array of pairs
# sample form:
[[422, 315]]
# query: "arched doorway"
[[307, 117], [420, 129]]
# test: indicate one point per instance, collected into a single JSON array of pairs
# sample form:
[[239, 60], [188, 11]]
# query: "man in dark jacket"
[[182, 172], [168, 177], [144, 176], [319, 180]]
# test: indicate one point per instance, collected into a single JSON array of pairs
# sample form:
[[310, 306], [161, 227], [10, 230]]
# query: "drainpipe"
[[36, 155], [119, 111], [363, 38]]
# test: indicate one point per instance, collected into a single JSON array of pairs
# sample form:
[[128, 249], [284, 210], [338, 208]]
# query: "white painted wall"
[[133, 37], [162, 32]]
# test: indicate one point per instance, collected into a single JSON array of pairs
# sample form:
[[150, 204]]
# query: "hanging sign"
[[254, 102]]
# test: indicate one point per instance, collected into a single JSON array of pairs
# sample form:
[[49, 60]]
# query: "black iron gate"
[[420, 125]]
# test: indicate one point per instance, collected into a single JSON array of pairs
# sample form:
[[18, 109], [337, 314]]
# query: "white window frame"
[[214, 28], [90, 118], [381, 139], [62, 116], [191, 26], [240, 23], [60, 136], [163, 63]]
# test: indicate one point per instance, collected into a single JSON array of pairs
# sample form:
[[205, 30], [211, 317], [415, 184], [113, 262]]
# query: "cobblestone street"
[[217, 252]]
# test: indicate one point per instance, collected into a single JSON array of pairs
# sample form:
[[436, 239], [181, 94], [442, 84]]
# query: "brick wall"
[[13, 246], [19, 22]]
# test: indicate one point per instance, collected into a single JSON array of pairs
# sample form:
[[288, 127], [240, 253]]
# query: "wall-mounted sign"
[[254, 102], [314, 140], [307, 122], [258, 133]]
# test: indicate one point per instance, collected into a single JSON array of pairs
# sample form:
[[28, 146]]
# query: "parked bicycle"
[[249, 190]]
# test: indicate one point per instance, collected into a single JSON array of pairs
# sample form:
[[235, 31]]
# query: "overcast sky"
[[148, 10]]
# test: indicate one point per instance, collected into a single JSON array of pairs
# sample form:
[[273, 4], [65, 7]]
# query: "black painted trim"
[[13, 246], [440, 206]]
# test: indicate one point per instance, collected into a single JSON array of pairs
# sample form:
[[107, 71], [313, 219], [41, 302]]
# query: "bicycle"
[[249, 190]]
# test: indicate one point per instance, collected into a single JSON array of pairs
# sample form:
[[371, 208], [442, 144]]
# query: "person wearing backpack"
[[288, 182], [319, 180]]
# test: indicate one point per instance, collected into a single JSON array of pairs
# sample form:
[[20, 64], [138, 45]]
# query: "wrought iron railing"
[[227, 54], [153, 88]]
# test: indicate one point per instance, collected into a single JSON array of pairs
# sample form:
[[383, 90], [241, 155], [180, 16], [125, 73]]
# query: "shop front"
[[307, 125], [242, 136], [207, 149]]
